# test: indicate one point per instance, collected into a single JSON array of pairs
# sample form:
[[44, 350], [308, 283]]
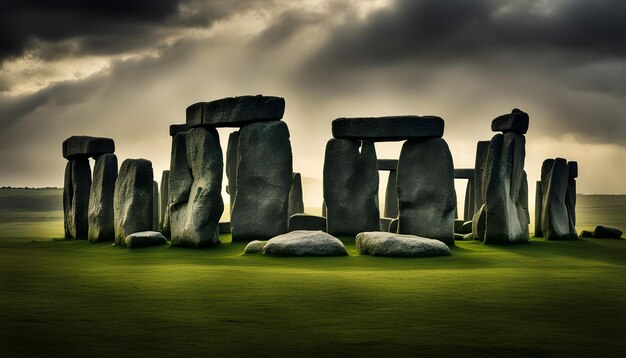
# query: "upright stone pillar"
[[68, 195], [133, 199], [391, 196], [155, 206], [351, 187], [81, 186], [482, 147], [468, 208], [426, 194], [296, 204], [101, 227], [264, 176], [163, 199], [538, 208], [231, 166], [180, 182], [570, 196], [555, 219]]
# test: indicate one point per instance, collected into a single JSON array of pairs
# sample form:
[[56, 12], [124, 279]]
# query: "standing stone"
[[68, 194], [323, 208], [506, 220], [570, 195], [482, 148], [179, 185], [296, 204], [351, 187], [132, 201], [468, 208], [426, 194], [478, 224], [81, 187], [538, 208], [101, 226], [164, 208], [555, 221], [205, 205], [155, 205], [231, 166], [391, 196], [516, 121], [264, 176]]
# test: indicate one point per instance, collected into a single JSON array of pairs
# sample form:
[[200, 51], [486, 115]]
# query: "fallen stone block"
[[144, 239], [397, 245], [305, 243]]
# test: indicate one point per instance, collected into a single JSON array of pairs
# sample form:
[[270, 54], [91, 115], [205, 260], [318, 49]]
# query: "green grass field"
[[79, 299]]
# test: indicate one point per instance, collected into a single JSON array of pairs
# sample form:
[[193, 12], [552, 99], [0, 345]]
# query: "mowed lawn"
[[61, 298]]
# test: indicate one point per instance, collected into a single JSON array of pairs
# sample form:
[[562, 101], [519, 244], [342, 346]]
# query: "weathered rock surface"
[[458, 226], [78, 214], [231, 166], [397, 245], [144, 239], [570, 194], [254, 247], [351, 187], [236, 111], [307, 222], [163, 200], [199, 222], [426, 194], [391, 195], [572, 169], [296, 204], [482, 148], [68, 195], [84, 147], [224, 227], [467, 227], [555, 220], [393, 226], [506, 218], [478, 224], [607, 232], [586, 233], [305, 243], [516, 121], [538, 208], [468, 207], [101, 226], [178, 128], [392, 128], [132, 201], [179, 185], [263, 181], [155, 206], [385, 223]]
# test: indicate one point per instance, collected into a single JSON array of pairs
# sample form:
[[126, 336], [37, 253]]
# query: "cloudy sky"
[[128, 69]]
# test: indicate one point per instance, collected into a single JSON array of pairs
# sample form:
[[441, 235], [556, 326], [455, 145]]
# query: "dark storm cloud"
[[52, 29], [435, 30]]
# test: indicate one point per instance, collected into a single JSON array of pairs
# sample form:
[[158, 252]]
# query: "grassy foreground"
[[538, 299]]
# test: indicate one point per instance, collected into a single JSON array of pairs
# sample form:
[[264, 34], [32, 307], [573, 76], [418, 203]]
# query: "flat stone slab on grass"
[[236, 111], [85, 147], [144, 239], [607, 232], [305, 243], [386, 129], [516, 121], [254, 247], [397, 245]]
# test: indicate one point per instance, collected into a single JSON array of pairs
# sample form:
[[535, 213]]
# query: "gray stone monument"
[[163, 200], [133, 199], [556, 222], [101, 226], [296, 203]]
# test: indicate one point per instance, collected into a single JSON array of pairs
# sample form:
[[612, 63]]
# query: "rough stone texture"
[[179, 185], [393, 226], [323, 208], [178, 128], [468, 237], [538, 209], [264, 176], [307, 222], [478, 224], [231, 166], [458, 226], [384, 224], [516, 121], [84, 147], [426, 194], [351, 187], [555, 220], [506, 218], [254, 247], [132, 201], [482, 148], [397, 245], [392, 128], [101, 226], [296, 204], [468, 207], [235, 111], [607, 232], [224, 227], [388, 164], [144, 239], [572, 168], [68, 194], [305, 243], [163, 201], [78, 214], [467, 228], [586, 233], [198, 226], [570, 195], [155, 206], [391, 196]]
